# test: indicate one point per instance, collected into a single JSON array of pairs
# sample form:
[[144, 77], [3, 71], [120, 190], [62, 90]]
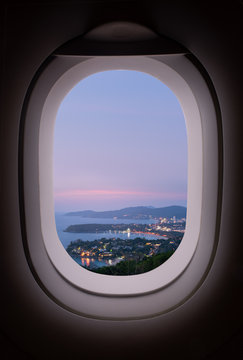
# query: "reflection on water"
[[89, 262], [85, 261], [94, 263]]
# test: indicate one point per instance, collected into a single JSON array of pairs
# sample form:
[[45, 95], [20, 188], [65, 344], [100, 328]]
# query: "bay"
[[63, 221]]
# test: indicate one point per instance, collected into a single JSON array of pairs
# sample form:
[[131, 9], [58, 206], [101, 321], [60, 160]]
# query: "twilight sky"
[[120, 140]]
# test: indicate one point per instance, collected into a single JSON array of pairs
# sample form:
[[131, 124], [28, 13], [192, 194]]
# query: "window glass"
[[120, 172]]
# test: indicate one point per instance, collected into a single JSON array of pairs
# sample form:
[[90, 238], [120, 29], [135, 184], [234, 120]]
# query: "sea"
[[63, 221]]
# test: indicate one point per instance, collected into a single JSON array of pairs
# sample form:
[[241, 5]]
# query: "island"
[[163, 228]]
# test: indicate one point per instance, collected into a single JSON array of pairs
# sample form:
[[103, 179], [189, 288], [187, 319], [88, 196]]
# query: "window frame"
[[49, 258]]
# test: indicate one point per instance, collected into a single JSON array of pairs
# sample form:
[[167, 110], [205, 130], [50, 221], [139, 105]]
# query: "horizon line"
[[127, 207]]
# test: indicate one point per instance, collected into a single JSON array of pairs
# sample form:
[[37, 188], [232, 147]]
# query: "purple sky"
[[120, 140]]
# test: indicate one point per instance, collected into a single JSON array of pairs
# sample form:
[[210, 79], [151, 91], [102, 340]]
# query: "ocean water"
[[63, 221]]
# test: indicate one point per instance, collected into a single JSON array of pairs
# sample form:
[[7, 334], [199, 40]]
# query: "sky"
[[120, 140]]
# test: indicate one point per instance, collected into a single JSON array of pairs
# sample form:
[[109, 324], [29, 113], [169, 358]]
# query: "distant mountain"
[[137, 212]]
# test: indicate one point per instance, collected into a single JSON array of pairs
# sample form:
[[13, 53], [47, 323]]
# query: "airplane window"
[[103, 134], [120, 172]]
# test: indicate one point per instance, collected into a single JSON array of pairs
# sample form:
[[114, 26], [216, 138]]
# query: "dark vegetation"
[[131, 267]]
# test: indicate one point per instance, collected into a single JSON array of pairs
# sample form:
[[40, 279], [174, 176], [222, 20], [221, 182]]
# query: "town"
[[168, 234]]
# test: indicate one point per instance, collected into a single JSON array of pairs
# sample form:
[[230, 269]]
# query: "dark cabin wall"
[[209, 325]]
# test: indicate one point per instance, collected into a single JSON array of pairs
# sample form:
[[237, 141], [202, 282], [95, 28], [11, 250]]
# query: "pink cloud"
[[78, 193]]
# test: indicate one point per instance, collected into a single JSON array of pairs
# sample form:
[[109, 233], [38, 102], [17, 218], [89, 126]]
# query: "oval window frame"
[[183, 78]]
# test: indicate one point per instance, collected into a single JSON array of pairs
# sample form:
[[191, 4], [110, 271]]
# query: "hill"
[[137, 212]]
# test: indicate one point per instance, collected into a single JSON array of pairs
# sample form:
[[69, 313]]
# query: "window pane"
[[120, 172]]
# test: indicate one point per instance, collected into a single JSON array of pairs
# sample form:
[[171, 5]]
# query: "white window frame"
[[180, 275]]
